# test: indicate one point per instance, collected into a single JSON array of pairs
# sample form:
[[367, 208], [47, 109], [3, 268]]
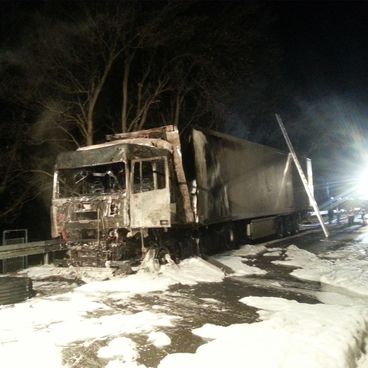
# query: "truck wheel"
[[15, 289], [228, 237], [282, 232], [163, 255]]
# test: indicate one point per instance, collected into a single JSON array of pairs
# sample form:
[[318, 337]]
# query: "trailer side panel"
[[238, 179]]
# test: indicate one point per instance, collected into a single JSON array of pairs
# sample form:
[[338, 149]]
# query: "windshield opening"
[[93, 180]]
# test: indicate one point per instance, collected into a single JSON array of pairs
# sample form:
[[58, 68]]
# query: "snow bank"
[[235, 260], [290, 335], [273, 252], [120, 364], [159, 339], [119, 347], [188, 272], [41, 328], [238, 266], [315, 267], [39, 332], [86, 274], [348, 269], [249, 250]]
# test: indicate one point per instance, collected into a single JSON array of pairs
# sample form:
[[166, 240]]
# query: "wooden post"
[[302, 176]]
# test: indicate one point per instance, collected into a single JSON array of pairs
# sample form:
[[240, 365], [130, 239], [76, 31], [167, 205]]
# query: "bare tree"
[[186, 70], [173, 64], [125, 65], [146, 65], [21, 180], [71, 61]]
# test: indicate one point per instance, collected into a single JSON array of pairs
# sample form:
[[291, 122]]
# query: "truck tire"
[[227, 237], [15, 289], [160, 254]]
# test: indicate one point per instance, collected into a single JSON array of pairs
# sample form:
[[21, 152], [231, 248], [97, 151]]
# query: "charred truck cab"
[[114, 201], [137, 192]]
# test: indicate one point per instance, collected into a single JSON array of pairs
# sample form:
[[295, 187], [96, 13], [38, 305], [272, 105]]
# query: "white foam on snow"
[[238, 266], [188, 272], [119, 347], [86, 274], [159, 339], [290, 335], [235, 260], [117, 363], [348, 270], [43, 327], [273, 252], [249, 250]]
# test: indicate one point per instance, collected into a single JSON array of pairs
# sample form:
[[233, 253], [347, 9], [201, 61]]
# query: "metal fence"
[[16, 236]]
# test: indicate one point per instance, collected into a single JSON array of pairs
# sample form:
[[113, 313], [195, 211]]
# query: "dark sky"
[[326, 47], [325, 43]]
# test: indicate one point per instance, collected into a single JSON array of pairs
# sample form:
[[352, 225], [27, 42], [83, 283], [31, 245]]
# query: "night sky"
[[326, 47], [326, 61], [323, 94]]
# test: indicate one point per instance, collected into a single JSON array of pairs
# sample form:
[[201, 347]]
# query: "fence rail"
[[28, 249]]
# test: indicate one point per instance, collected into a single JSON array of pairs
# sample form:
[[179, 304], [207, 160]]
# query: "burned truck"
[[147, 190]]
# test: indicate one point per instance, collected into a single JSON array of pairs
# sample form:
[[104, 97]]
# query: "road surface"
[[80, 321]]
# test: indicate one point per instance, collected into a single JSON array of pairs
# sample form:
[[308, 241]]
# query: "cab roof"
[[106, 154]]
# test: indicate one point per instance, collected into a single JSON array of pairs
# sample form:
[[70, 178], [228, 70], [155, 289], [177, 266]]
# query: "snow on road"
[[236, 260], [41, 327], [290, 335], [332, 333], [346, 268]]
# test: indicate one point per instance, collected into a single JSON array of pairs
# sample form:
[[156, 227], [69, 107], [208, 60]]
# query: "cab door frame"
[[150, 193]]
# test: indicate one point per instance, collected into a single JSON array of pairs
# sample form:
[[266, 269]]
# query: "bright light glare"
[[361, 189]]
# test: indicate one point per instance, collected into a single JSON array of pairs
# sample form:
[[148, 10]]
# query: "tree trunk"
[[124, 111], [89, 137], [142, 123], [178, 101], [95, 95]]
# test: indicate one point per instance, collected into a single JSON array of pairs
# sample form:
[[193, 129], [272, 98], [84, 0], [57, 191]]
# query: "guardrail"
[[28, 249], [23, 250]]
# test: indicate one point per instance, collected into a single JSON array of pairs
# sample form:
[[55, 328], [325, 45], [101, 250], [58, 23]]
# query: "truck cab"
[[103, 194]]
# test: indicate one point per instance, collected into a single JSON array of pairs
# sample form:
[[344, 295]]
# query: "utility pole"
[[301, 174]]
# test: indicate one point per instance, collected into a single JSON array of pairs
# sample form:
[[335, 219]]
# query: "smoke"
[[236, 126]]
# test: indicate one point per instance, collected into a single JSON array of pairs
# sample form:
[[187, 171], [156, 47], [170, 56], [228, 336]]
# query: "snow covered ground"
[[346, 269], [236, 260], [51, 330], [290, 334], [42, 327]]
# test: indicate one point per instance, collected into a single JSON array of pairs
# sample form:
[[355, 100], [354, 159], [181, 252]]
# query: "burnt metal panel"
[[150, 209], [165, 137], [259, 228], [100, 155], [238, 179], [70, 215], [150, 198]]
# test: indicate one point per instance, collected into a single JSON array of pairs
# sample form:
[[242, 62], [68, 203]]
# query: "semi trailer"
[[155, 191]]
